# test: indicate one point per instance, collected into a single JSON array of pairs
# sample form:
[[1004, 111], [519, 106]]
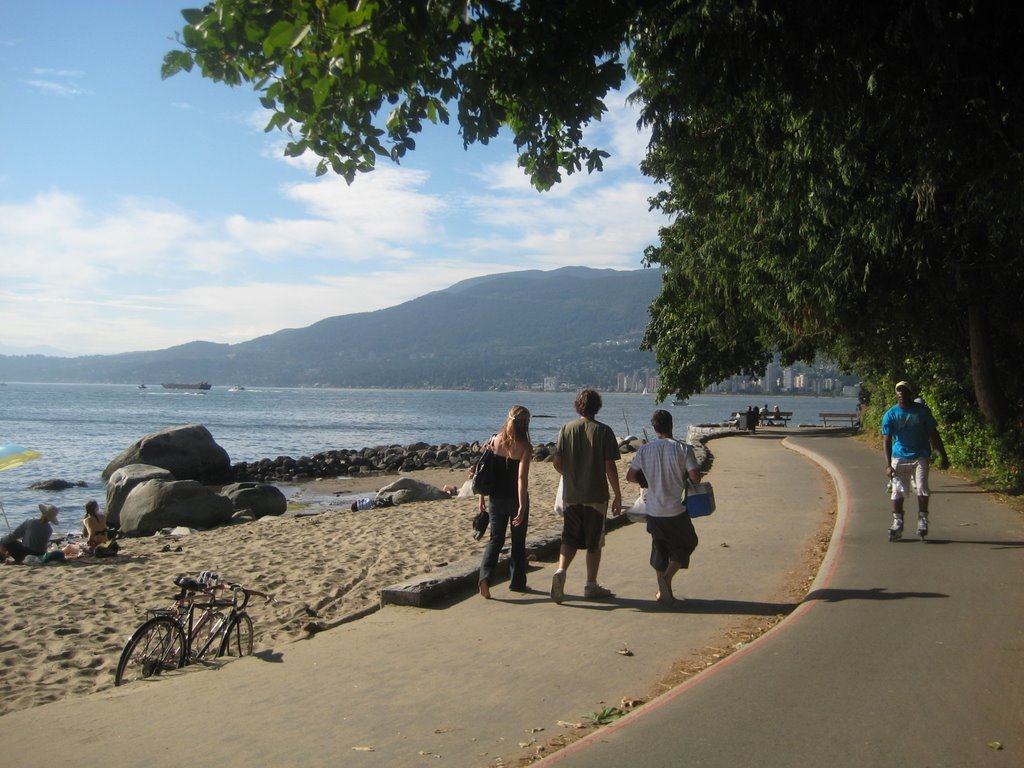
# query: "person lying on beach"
[[406, 489], [31, 538], [365, 503]]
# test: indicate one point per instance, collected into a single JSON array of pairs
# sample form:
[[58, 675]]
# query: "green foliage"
[[354, 81], [605, 716], [844, 179]]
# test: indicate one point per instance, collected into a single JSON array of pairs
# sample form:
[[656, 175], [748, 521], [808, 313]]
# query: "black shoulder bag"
[[485, 473]]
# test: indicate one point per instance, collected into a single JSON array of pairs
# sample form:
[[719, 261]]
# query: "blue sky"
[[138, 214]]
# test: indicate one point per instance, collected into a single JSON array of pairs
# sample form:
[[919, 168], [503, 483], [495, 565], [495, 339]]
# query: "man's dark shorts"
[[583, 527], [672, 538]]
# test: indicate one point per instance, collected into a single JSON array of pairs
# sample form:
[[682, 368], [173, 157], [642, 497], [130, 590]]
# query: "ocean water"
[[80, 428]]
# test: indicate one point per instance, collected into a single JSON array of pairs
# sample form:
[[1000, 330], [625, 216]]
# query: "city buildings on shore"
[[823, 378]]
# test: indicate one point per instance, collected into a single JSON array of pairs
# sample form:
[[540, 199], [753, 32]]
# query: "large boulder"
[[255, 500], [188, 453], [121, 483], [157, 504]]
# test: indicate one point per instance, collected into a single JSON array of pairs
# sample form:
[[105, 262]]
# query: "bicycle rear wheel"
[[238, 637], [158, 645]]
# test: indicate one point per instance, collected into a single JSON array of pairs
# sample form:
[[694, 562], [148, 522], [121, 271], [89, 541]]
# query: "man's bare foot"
[[664, 595], [485, 590]]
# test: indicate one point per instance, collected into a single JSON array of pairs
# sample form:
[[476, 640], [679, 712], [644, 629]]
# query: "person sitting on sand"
[[509, 499], [32, 537], [94, 525]]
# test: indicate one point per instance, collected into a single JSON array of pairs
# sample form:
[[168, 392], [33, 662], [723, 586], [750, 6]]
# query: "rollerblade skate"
[[896, 529], [922, 526]]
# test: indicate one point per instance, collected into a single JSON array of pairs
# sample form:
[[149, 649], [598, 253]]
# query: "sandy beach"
[[64, 625]]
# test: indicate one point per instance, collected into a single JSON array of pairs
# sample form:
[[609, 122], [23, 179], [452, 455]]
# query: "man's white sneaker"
[[558, 587], [592, 591]]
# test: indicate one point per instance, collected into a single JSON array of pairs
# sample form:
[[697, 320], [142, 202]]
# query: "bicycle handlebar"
[[247, 593], [189, 584]]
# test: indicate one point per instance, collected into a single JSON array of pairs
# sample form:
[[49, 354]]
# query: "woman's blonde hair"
[[517, 426]]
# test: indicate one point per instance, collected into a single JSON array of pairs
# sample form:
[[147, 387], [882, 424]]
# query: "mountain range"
[[578, 325]]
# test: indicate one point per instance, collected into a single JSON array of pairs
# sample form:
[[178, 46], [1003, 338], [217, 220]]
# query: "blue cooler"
[[700, 500]]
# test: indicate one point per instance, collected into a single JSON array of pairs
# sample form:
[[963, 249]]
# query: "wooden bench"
[[847, 419], [781, 419], [773, 419]]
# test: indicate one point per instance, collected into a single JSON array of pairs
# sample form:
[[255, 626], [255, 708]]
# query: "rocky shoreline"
[[366, 462], [395, 459]]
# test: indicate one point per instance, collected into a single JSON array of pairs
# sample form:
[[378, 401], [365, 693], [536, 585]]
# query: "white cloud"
[[80, 275], [59, 82], [63, 73], [381, 216], [56, 238]]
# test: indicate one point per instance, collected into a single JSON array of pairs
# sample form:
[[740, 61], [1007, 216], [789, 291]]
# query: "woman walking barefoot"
[[509, 500]]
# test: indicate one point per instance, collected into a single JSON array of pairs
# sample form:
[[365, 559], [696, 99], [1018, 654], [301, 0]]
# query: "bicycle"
[[196, 627]]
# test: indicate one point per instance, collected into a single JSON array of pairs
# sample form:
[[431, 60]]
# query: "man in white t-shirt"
[[666, 464]]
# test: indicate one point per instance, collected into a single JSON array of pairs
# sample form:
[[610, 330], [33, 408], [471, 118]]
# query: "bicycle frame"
[[198, 625], [211, 616]]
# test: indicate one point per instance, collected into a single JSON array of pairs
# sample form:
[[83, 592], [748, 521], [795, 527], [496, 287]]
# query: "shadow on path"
[[681, 605], [993, 544], [724, 607], [875, 593]]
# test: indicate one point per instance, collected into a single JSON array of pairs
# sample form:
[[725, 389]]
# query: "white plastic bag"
[[638, 512]]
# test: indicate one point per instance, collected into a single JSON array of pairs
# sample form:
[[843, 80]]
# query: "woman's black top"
[[506, 484]]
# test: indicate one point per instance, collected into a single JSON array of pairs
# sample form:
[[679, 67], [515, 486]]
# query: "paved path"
[[903, 654]]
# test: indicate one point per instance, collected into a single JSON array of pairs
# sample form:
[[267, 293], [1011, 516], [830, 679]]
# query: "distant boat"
[[200, 385], [142, 386], [645, 392], [236, 388]]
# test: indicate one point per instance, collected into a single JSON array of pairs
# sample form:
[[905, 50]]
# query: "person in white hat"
[[910, 435], [32, 537]]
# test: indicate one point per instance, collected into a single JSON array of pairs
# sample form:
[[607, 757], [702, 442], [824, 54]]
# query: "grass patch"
[[605, 716]]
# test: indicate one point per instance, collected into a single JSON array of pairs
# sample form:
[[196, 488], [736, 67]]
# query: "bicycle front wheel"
[[158, 645], [238, 637]]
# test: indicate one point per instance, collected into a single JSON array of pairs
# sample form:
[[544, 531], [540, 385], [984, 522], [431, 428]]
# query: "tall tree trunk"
[[989, 394]]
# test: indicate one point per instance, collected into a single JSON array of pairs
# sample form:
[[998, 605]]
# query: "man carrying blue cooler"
[[910, 434], [666, 464]]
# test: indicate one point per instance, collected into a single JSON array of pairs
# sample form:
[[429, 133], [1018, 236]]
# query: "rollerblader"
[[910, 434]]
